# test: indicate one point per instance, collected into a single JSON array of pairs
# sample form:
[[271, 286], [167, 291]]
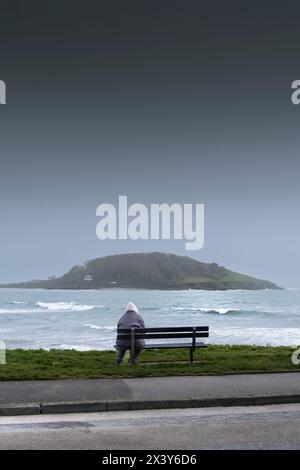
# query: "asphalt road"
[[257, 427]]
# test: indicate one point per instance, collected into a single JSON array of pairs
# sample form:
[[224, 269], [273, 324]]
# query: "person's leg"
[[120, 355], [136, 354]]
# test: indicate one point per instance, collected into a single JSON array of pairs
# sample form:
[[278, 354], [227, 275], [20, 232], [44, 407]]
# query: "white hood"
[[132, 307]]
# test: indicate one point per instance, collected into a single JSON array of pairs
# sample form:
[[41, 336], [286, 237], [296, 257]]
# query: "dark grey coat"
[[130, 319]]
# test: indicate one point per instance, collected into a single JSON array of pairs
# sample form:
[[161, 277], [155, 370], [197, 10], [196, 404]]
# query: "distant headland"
[[149, 271]]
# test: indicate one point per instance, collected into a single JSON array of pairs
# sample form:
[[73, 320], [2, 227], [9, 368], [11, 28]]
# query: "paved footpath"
[[64, 396]]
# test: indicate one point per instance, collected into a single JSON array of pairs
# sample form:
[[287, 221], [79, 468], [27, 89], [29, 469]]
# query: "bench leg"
[[132, 347], [191, 355], [132, 356]]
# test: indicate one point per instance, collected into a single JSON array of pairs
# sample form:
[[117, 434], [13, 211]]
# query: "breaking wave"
[[65, 306], [97, 327], [219, 311], [12, 311]]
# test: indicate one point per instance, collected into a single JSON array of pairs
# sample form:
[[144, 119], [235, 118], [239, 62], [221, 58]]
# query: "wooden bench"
[[188, 332]]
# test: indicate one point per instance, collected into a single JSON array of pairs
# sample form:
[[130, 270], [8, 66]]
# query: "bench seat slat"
[[171, 346], [174, 345], [162, 335]]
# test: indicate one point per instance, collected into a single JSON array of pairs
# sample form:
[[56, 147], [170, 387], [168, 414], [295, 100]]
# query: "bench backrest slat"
[[163, 335], [164, 332]]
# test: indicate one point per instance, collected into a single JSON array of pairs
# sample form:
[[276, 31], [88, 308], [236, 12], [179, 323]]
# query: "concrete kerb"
[[20, 410], [125, 405]]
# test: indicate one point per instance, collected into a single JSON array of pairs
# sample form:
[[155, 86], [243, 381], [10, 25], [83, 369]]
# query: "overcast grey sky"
[[162, 101]]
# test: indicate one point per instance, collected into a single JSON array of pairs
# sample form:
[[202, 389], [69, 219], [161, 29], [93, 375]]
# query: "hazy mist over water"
[[176, 101]]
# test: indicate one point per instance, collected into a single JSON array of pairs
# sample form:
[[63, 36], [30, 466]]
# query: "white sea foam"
[[259, 336], [97, 327], [17, 310], [219, 311], [65, 306]]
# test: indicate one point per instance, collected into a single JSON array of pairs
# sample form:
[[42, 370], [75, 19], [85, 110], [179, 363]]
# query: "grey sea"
[[86, 320]]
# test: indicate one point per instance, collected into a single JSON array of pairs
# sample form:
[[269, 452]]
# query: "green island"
[[215, 359], [149, 271]]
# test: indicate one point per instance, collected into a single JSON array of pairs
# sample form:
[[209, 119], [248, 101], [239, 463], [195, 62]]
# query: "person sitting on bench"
[[130, 319]]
